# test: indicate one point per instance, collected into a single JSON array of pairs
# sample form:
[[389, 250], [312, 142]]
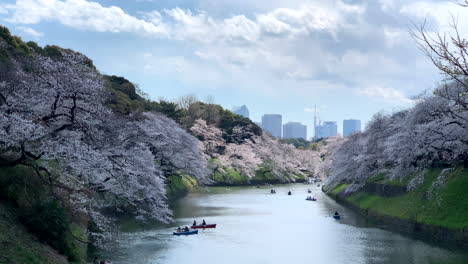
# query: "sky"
[[350, 58]]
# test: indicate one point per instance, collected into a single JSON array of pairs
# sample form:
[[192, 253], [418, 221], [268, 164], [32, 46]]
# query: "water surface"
[[257, 227]]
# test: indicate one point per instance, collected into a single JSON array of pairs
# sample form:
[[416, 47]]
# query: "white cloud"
[[182, 24], [30, 31], [303, 46], [442, 12], [395, 36], [80, 14], [386, 94]]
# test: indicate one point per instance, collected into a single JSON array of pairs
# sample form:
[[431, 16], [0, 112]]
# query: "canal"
[[257, 227]]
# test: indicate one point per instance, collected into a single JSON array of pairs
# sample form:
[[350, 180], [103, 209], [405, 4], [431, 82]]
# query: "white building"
[[326, 130], [351, 126], [272, 124], [294, 130]]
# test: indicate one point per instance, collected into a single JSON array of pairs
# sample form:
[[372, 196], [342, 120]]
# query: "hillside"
[[91, 163]]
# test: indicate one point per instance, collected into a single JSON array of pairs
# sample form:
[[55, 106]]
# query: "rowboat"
[[186, 233], [337, 217], [204, 226], [311, 199]]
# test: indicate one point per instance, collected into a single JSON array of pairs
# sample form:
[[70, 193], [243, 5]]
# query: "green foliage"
[[229, 120], [170, 109], [230, 177], [17, 246], [264, 173], [37, 209], [377, 178], [49, 221], [33, 45], [299, 143], [179, 184], [52, 51], [126, 99], [14, 43], [449, 209], [339, 188]]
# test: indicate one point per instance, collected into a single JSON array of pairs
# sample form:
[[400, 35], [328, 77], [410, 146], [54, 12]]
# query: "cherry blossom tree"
[[55, 120]]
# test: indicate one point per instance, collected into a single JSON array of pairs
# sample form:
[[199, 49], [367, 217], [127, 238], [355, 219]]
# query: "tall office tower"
[[242, 110], [272, 124], [294, 130], [328, 129], [351, 126]]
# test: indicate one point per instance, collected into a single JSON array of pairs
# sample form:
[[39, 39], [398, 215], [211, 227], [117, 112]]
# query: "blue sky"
[[351, 58]]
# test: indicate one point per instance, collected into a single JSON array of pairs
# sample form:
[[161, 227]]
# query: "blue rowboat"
[[337, 217], [311, 199], [185, 233]]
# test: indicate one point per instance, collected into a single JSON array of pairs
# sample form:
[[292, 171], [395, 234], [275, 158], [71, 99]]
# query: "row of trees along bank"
[[421, 152]]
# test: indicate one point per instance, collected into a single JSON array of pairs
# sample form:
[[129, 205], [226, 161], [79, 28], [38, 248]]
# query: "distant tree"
[[184, 102]]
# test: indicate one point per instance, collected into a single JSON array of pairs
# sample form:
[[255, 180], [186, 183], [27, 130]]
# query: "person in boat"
[[203, 223], [179, 229], [289, 193], [194, 223], [186, 229], [336, 213]]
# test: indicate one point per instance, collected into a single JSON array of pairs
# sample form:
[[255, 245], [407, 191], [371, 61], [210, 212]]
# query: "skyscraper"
[[328, 129], [351, 126], [272, 124], [294, 130], [242, 110]]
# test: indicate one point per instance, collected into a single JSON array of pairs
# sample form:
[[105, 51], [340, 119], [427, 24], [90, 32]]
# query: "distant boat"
[[185, 233], [309, 191], [311, 199], [289, 193], [337, 217], [272, 191], [204, 226]]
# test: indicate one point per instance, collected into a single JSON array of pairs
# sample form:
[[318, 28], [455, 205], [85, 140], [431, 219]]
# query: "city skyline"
[[310, 133]]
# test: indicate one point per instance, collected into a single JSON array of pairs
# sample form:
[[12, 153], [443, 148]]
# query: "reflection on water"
[[257, 227]]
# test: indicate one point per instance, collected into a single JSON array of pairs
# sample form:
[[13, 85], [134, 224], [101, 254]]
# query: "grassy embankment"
[[179, 185], [446, 206], [34, 226]]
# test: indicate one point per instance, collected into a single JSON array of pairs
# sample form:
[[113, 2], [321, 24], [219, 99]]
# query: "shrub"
[[50, 223]]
